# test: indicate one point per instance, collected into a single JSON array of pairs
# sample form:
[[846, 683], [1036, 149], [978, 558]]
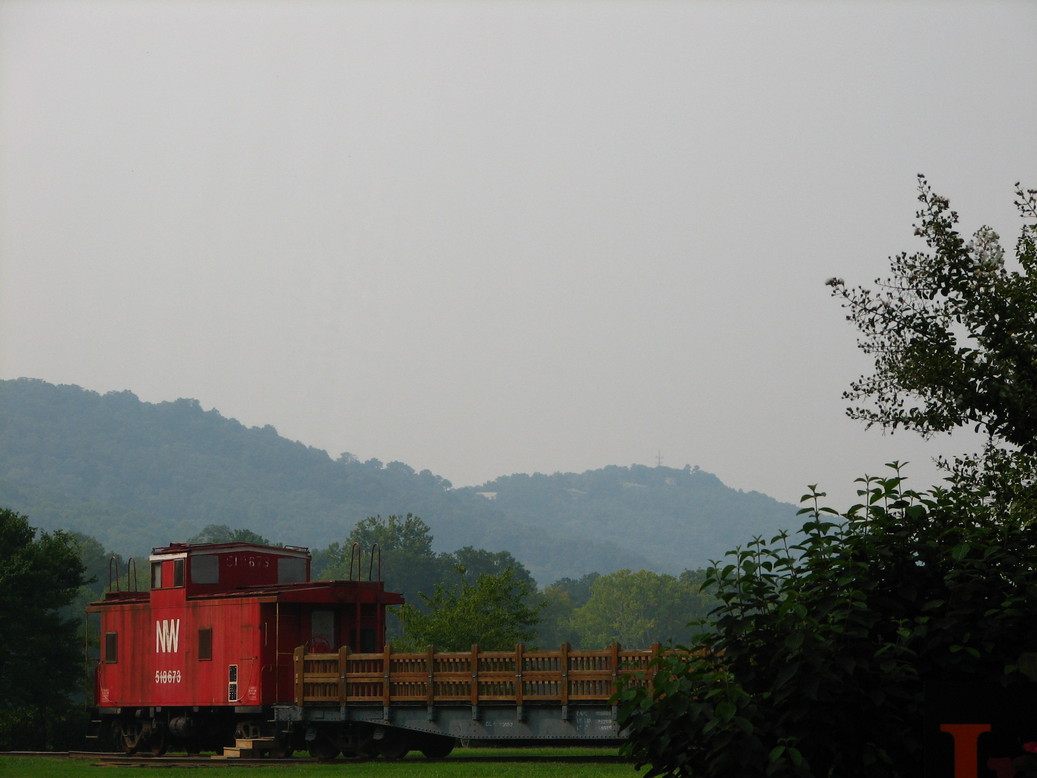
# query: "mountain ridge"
[[132, 473]]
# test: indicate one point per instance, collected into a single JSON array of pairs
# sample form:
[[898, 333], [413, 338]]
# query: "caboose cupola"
[[222, 567]]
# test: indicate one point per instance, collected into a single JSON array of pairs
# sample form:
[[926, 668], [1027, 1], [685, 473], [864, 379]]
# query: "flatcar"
[[234, 649]]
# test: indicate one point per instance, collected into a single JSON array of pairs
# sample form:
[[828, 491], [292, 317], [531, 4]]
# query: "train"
[[234, 649]]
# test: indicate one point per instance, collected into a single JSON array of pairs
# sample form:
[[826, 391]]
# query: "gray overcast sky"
[[494, 237]]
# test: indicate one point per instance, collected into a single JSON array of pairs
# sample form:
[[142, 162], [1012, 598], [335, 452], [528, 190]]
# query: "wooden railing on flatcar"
[[473, 677]]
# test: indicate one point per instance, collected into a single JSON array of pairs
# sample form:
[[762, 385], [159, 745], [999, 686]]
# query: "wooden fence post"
[[343, 685], [519, 690], [474, 666], [386, 679], [430, 658], [565, 681]]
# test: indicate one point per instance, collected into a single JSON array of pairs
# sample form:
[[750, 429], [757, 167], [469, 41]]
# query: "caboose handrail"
[[376, 552], [113, 562], [356, 554], [431, 677]]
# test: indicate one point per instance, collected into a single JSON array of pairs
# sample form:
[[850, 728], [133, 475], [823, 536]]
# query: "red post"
[[966, 751]]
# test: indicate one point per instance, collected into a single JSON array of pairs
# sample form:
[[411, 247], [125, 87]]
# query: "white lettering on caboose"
[[167, 636]]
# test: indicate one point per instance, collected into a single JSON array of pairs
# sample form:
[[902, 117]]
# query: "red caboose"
[[202, 655]]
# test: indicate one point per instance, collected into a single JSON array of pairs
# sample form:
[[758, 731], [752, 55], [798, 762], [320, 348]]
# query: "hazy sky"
[[493, 237]]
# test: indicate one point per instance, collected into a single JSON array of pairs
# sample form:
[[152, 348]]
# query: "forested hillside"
[[677, 518], [135, 474]]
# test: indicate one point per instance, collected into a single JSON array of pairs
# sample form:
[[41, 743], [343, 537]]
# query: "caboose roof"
[[188, 549], [313, 591], [309, 592]]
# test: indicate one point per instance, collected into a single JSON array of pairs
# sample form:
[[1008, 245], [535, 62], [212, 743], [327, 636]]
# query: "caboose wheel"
[[157, 742]]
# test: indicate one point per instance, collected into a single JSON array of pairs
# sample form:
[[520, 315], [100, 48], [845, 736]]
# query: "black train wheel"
[[437, 747], [283, 750], [323, 750], [393, 746], [157, 741]]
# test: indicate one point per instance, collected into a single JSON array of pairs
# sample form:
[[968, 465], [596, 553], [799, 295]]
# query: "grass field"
[[458, 765]]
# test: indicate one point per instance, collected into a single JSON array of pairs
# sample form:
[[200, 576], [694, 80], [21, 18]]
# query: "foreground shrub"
[[818, 660]]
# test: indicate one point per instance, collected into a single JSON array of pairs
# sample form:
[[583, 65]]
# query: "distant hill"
[[136, 475], [676, 518]]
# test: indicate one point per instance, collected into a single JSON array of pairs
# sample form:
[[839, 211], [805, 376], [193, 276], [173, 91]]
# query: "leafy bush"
[[818, 658]]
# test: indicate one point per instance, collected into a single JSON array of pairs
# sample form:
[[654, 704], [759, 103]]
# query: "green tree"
[[408, 534], [40, 574], [954, 339], [477, 562], [400, 546], [221, 533], [577, 589], [561, 599], [640, 608], [952, 331], [555, 625], [494, 611], [96, 565]]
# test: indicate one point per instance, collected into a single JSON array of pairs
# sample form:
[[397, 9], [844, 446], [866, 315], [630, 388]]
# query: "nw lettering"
[[167, 636]]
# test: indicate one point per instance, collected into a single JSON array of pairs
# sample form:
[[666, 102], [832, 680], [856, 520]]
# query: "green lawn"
[[455, 766]]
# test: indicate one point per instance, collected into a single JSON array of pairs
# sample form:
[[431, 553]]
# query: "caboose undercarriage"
[[195, 729], [401, 729], [325, 731]]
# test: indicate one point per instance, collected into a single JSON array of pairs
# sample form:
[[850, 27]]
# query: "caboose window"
[[111, 647], [156, 575], [205, 643], [291, 570], [205, 569], [178, 572], [368, 640]]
